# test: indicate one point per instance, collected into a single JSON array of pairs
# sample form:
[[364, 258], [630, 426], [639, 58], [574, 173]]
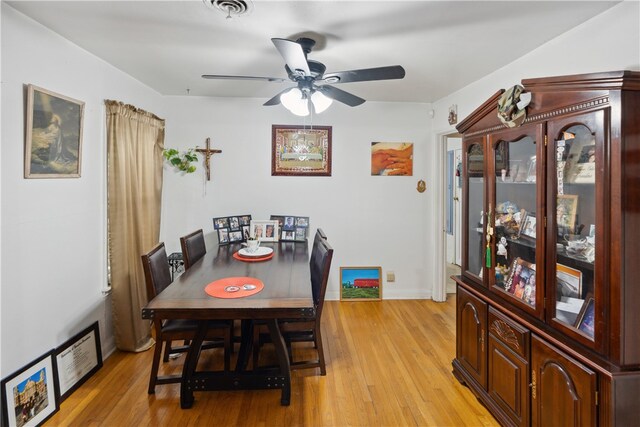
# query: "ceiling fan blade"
[[223, 77], [340, 95], [293, 55], [367, 74], [276, 99]]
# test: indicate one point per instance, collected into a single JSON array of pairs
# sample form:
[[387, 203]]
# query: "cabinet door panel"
[[509, 382], [471, 335], [563, 390]]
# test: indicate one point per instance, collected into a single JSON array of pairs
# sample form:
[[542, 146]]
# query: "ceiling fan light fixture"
[[320, 101], [295, 101]]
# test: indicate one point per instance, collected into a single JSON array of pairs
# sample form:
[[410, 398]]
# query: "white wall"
[[607, 42], [370, 220], [54, 230]]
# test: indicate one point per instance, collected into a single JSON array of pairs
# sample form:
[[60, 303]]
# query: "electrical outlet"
[[391, 276]]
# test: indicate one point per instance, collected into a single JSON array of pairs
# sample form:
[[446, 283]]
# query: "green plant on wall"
[[181, 161]]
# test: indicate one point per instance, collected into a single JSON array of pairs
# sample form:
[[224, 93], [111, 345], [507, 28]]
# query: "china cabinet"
[[548, 308]]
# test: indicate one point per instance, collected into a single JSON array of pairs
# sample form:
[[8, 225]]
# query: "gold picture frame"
[[300, 150], [53, 143]]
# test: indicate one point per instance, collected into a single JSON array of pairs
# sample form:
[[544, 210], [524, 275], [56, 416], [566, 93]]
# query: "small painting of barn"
[[360, 283]]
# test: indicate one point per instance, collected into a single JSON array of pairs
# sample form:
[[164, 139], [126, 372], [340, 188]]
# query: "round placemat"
[[239, 257], [234, 287]]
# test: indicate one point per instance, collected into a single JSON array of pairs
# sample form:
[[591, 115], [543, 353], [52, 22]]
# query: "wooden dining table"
[[286, 295]]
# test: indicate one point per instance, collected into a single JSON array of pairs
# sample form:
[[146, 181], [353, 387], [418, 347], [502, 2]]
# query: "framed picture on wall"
[[53, 145], [300, 150], [30, 395]]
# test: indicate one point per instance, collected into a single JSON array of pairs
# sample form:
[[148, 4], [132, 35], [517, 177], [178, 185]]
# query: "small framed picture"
[[78, 359], [220, 223], [522, 281], [246, 232], [245, 219], [566, 210], [234, 223], [30, 395], [301, 234], [265, 230], [586, 318], [289, 235], [528, 227], [235, 236], [360, 283], [289, 223], [569, 281], [223, 236], [531, 174], [302, 221]]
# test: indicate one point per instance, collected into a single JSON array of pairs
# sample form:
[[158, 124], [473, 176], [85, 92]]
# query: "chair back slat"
[[193, 248], [156, 270], [320, 265]]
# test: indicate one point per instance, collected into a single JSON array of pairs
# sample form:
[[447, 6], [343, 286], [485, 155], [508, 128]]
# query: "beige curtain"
[[135, 140]]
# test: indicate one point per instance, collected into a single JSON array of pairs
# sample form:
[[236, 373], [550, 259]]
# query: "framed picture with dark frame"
[[78, 359], [360, 283], [292, 228], [300, 150], [232, 229], [53, 143], [30, 394], [585, 322]]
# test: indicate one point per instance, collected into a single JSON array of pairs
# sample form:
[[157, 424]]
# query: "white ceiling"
[[443, 46]]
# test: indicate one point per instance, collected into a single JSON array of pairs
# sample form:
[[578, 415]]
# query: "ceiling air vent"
[[230, 7]]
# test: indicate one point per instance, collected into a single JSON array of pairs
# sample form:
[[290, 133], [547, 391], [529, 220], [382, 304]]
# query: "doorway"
[[453, 208]]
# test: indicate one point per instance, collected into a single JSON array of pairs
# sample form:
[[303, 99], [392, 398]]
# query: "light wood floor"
[[388, 364]]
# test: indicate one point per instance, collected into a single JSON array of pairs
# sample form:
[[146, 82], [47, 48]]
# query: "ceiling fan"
[[313, 85]]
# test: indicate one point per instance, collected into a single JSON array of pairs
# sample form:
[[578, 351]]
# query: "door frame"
[[439, 292]]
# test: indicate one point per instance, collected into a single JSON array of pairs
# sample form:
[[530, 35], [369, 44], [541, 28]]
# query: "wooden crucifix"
[[208, 152]]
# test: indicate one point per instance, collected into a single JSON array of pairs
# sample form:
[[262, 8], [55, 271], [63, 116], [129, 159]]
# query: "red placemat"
[[234, 287], [239, 257]]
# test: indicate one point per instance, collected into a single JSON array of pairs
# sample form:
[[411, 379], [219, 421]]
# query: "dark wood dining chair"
[[307, 330], [193, 248], [157, 278]]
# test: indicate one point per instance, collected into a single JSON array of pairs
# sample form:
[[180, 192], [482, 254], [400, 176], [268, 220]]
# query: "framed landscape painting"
[[360, 283], [53, 146], [301, 151]]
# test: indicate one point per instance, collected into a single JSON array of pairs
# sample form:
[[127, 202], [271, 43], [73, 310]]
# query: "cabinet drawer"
[[510, 333]]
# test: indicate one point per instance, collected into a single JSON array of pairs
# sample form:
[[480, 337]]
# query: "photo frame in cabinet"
[[475, 160], [522, 281], [566, 210], [528, 226], [569, 281], [585, 322], [531, 173]]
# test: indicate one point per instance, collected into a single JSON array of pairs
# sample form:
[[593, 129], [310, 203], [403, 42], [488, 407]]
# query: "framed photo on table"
[[78, 359], [300, 150], [53, 145], [30, 395], [265, 230]]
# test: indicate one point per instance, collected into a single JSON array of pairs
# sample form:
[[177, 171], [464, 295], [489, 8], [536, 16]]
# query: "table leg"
[[190, 364], [246, 342], [283, 360]]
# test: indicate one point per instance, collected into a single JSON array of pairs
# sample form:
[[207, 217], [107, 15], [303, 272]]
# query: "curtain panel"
[[135, 140]]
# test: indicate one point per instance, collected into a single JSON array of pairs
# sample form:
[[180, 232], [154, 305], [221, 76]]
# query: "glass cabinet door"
[[576, 269], [517, 236], [473, 189]]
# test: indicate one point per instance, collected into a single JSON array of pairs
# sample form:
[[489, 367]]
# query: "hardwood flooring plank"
[[388, 364]]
